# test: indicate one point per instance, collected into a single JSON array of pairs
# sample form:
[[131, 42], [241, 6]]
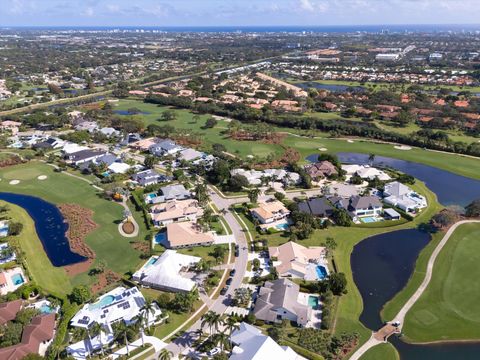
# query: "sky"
[[236, 12]]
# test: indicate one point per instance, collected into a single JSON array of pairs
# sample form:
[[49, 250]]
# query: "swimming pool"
[[322, 272], [313, 302], [151, 261], [105, 301], [282, 227], [160, 238], [45, 309], [369, 219], [18, 279]]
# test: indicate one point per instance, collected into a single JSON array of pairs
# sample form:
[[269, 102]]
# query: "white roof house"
[[164, 272], [251, 344], [254, 177], [119, 168], [366, 172], [116, 305], [190, 154], [70, 148], [401, 196]]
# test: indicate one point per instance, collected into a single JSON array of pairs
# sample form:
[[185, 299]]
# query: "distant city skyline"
[[236, 12]]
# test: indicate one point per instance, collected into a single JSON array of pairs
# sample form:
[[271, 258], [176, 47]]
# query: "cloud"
[[313, 6], [89, 11], [306, 5]]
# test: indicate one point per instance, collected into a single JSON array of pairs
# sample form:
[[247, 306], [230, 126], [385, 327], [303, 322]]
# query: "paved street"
[[182, 344]]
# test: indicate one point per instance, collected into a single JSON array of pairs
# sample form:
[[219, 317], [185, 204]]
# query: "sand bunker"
[[42, 177], [402, 147], [14, 182], [350, 141], [323, 149]]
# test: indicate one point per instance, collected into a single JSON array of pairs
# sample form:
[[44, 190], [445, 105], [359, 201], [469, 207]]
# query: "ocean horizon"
[[265, 29]]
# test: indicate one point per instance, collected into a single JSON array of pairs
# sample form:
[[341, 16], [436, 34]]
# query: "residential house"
[[164, 148], [11, 126], [278, 300], [143, 144], [120, 304], [320, 207], [166, 272], [149, 177], [50, 143], [249, 343], [270, 211], [297, 261], [366, 172], [109, 132], [90, 126], [190, 154], [401, 196], [11, 280], [7, 254], [9, 310], [359, 206], [83, 156], [175, 192], [187, 234], [321, 169], [36, 338], [255, 177], [175, 210]]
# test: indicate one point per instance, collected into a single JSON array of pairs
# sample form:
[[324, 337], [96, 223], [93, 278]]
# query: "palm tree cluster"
[[220, 329]]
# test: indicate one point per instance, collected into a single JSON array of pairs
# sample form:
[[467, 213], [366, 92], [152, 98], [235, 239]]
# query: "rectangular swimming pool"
[[313, 302], [18, 279], [322, 273], [369, 219]]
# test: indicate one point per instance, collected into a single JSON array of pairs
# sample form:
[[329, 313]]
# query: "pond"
[[50, 227], [330, 87], [126, 112], [382, 264], [441, 182]]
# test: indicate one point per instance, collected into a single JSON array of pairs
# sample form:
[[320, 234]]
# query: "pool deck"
[[315, 320], [9, 286]]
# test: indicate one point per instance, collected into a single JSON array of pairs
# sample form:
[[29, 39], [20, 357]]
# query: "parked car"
[[229, 281], [213, 352], [224, 290], [232, 272]]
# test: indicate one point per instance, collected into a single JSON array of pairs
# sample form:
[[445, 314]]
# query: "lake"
[[451, 189], [383, 264], [126, 112], [50, 226], [330, 87]]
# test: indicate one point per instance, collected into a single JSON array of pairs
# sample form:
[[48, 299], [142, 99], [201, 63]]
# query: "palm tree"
[[165, 355], [253, 195], [232, 325], [122, 332], [371, 158], [147, 309], [222, 339], [97, 330]]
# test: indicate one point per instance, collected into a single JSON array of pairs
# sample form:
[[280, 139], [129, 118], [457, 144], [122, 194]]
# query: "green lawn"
[[462, 165], [381, 352], [449, 308], [350, 305], [59, 188], [185, 121], [39, 268]]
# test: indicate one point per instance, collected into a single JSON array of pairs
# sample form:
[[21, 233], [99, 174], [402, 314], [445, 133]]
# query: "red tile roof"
[[41, 329], [9, 310]]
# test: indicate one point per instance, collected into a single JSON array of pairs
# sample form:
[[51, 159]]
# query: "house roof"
[[280, 293], [251, 344], [293, 256], [86, 154], [317, 206], [9, 310], [364, 202], [165, 271], [177, 191], [175, 209], [186, 233], [41, 329], [396, 188], [268, 209]]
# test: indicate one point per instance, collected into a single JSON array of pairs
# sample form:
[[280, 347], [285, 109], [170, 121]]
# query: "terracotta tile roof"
[[9, 310], [186, 233], [41, 329]]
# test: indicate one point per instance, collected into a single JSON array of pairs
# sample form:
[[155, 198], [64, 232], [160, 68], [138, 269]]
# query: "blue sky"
[[235, 12]]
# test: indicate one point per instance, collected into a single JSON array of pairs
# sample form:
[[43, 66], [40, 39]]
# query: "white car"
[[214, 351]]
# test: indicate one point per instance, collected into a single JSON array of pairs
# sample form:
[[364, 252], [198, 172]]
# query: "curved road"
[[400, 317], [219, 305]]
